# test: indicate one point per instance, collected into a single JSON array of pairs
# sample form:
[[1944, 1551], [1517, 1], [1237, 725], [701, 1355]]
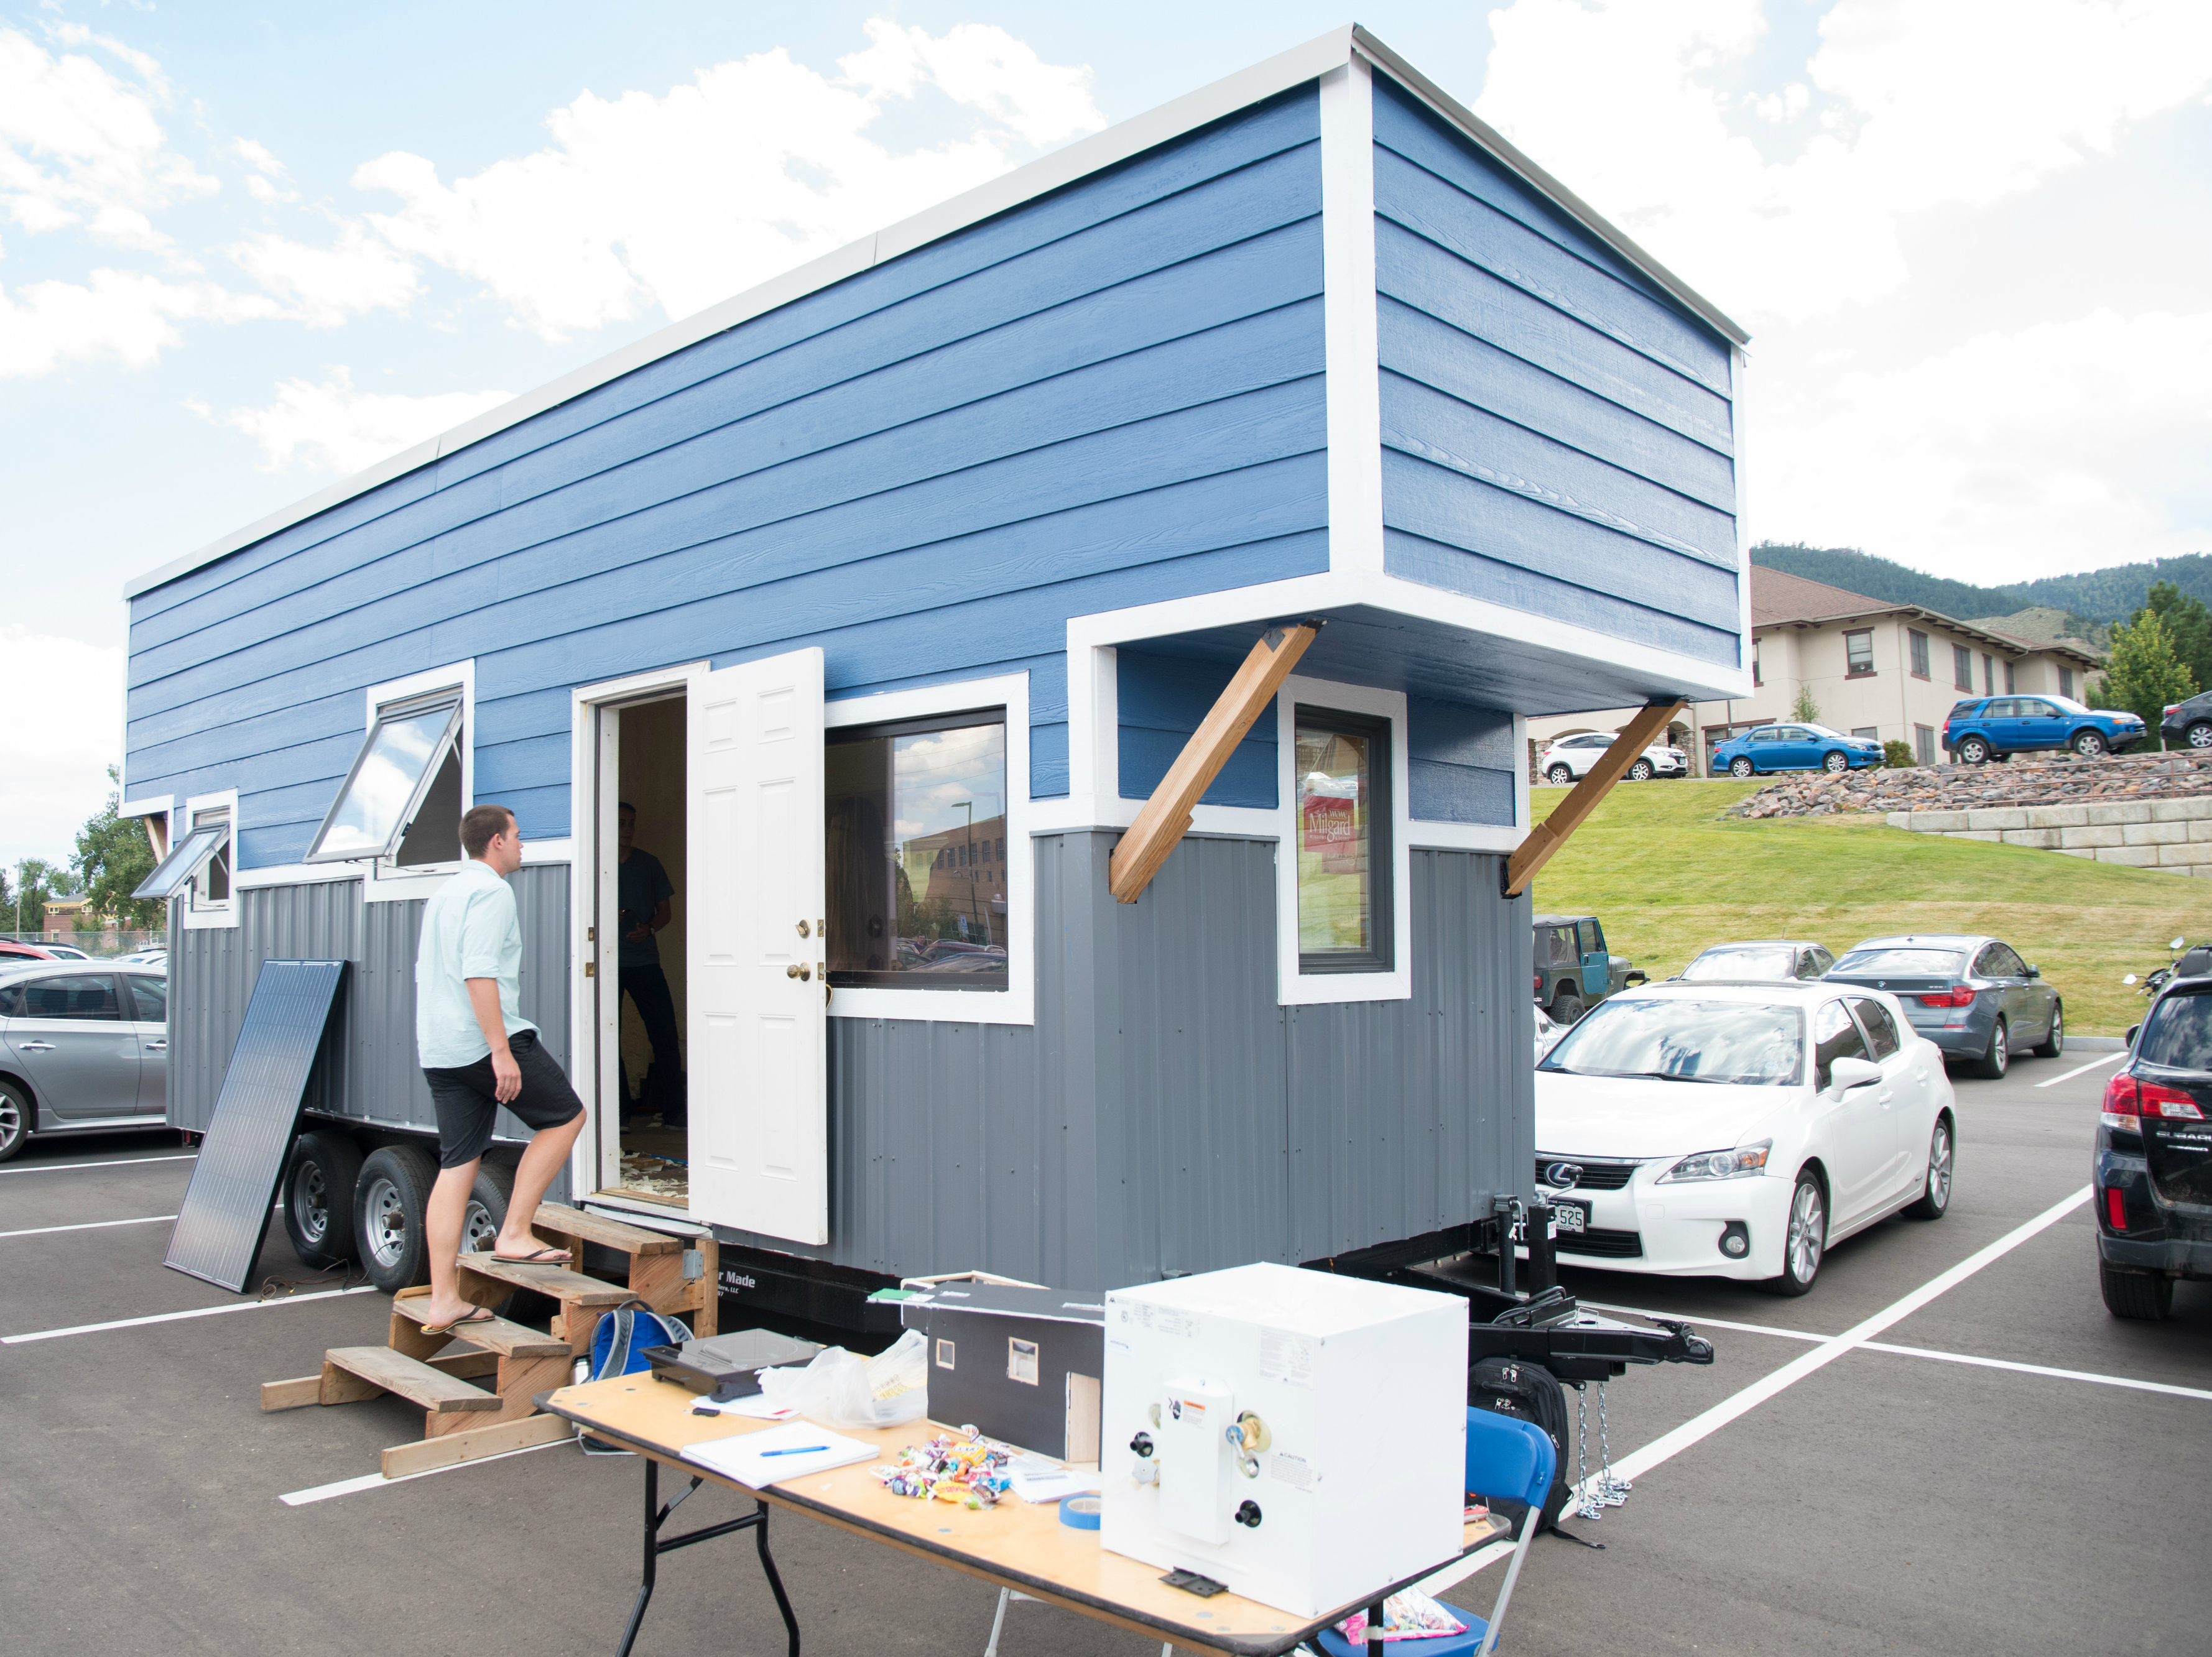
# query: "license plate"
[[1569, 1216]]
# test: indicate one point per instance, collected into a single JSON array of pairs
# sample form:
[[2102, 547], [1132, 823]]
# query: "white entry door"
[[759, 1076]]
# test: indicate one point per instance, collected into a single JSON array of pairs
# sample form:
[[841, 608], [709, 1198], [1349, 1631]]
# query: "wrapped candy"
[[1408, 1614], [964, 1468]]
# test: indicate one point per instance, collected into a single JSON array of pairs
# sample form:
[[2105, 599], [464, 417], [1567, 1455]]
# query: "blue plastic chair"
[[1506, 1457]]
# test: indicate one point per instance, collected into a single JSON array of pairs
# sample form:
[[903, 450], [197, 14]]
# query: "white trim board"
[[1339, 48]]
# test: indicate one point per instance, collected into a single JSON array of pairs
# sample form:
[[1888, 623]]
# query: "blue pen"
[[796, 1449]]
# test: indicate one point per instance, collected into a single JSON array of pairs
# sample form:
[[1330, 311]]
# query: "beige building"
[[1888, 671]]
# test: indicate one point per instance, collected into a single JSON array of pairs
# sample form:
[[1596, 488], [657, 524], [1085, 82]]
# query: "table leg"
[[775, 1579], [1375, 1629], [651, 1556], [655, 1545]]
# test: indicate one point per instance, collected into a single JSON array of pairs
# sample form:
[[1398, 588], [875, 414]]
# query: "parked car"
[[2152, 1162], [1797, 747], [1568, 759], [1738, 1130], [1574, 969], [1770, 960], [1996, 727], [11, 951], [81, 1049], [2188, 724], [66, 952], [1971, 995], [143, 958], [1548, 1032]]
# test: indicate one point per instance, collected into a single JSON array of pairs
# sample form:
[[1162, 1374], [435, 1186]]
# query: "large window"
[[1989, 675], [1919, 641], [1858, 652], [2010, 686], [1343, 783], [917, 853], [1924, 744], [404, 798], [1962, 667]]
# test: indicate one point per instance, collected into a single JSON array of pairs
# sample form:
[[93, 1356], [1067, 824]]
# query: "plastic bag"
[[843, 1389]]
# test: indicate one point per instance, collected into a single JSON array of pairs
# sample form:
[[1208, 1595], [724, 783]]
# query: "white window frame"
[[199, 915], [1293, 988], [383, 881], [1016, 1003]]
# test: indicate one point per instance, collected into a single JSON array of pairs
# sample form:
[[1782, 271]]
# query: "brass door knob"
[[797, 972]]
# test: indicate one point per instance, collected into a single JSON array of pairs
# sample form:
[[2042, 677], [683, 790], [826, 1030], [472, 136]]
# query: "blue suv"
[[1797, 747], [1997, 727]]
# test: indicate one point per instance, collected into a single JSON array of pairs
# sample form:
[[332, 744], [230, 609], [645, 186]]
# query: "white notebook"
[[793, 1450]]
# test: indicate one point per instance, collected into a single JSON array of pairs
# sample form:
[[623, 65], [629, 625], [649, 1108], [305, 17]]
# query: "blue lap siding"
[[1558, 435], [1109, 396]]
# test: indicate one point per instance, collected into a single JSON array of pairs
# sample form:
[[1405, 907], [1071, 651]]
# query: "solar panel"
[[249, 1140]]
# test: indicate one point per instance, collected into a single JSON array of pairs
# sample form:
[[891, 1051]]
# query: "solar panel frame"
[[287, 1032]]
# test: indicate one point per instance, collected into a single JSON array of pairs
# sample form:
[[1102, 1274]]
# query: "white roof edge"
[[1116, 143], [147, 806]]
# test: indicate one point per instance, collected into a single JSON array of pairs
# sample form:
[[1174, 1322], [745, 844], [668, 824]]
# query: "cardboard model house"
[[889, 593]]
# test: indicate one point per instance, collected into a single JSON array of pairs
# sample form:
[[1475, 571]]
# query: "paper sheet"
[[1037, 1479], [750, 1458]]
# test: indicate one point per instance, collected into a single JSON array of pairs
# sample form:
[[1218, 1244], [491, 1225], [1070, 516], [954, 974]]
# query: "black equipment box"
[[1020, 1365], [725, 1366]]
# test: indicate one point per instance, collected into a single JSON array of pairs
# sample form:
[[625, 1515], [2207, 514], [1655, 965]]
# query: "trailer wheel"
[[390, 1207], [319, 1189]]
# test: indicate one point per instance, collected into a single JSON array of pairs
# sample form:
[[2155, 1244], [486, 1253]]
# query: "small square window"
[[211, 886], [401, 799], [1858, 651], [1344, 898]]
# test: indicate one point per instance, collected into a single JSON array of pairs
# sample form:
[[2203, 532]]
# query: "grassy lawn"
[[1669, 875]]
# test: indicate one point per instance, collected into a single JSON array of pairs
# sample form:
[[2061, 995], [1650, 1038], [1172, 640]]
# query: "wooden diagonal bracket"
[[1547, 836], [1166, 816]]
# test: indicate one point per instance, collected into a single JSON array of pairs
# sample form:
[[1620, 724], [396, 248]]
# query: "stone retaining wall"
[[2173, 836]]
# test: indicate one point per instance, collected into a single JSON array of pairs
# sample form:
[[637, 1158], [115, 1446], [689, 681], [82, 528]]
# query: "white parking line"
[[1702, 1426], [173, 1317], [127, 1161], [1716, 1323], [86, 1225], [2083, 1070], [378, 1481]]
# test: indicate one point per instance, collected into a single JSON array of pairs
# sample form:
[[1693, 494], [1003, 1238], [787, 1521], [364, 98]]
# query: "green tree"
[[1805, 711], [22, 904], [2143, 673], [2187, 623], [112, 857]]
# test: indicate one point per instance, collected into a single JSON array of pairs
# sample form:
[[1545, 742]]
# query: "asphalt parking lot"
[[1985, 1461]]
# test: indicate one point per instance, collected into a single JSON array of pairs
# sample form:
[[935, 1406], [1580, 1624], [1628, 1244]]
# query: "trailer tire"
[[319, 1189], [390, 1207]]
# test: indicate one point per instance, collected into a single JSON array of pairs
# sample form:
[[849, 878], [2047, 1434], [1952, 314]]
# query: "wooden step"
[[386, 1370], [563, 1221], [508, 1339], [558, 1281]]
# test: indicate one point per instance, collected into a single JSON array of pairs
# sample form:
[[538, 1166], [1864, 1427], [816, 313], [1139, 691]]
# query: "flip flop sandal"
[[474, 1315], [540, 1257]]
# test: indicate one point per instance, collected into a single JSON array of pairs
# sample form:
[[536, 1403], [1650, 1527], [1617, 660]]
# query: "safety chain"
[[1609, 1488], [1589, 1505]]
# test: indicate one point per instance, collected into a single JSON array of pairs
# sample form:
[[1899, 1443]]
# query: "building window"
[[2065, 681], [1343, 771], [1919, 643], [915, 811], [1962, 668], [1758, 678], [1924, 744], [1871, 732], [1989, 675], [402, 800], [1858, 652], [2010, 686], [186, 867]]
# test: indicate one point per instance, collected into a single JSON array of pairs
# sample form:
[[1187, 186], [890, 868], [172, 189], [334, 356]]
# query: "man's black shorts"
[[466, 1098]]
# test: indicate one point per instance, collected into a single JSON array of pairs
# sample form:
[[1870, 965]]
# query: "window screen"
[[1343, 775], [401, 799]]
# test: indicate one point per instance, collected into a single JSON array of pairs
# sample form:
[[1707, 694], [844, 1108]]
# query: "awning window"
[[409, 764], [190, 855]]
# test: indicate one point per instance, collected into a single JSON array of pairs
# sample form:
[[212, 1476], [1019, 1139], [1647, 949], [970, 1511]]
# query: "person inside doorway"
[[647, 898]]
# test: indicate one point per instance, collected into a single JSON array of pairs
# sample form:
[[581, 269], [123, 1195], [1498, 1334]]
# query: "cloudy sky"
[[244, 254]]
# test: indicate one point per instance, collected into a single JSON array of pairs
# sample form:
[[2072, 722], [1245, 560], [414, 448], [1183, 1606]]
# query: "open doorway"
[[645, 867]]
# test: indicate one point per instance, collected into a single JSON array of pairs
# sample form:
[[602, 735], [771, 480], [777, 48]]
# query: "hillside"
[[2102, 595], [1669, 875]]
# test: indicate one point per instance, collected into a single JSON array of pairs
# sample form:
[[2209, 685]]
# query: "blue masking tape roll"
[[1079, 1511]]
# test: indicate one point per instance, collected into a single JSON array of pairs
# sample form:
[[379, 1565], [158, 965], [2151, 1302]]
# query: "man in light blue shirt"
[[478, 1052]]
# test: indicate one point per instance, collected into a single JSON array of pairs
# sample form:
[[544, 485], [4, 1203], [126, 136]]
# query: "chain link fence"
[[102, 946]]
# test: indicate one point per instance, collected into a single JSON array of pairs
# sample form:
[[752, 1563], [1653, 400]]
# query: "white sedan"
[[1567, 759], [1738, 1131]]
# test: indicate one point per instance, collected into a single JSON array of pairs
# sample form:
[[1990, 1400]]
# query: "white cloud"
[[64, 730], [123, 315], [80, 145], [322, 286], [333, 427], [257, 156], [758, 165]]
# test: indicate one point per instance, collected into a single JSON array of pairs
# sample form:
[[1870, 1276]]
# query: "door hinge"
[[591, 970], [591, 934]]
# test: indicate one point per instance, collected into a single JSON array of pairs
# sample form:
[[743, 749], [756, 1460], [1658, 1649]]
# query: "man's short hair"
[[481, 825], [625, 805]]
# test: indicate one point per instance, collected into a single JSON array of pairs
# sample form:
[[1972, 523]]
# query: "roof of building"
[[1780, 599], [1167, 123]]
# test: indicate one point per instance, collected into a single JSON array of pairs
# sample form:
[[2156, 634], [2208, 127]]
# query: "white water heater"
[[1299, 1437]]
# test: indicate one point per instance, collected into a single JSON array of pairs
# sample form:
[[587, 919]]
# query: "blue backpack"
[[619, 1344]]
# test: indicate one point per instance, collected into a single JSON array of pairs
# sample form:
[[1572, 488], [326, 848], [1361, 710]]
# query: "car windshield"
[[1752, 960], [1729, 1042], [2180, 1033], [1900, 964], [2066, 704]]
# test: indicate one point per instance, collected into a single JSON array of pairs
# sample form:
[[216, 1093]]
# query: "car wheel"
[[2145, 1295], [319, 1190], [1740, 767], [16, 1116], [1805, 1243], [2055, 1043], [1935, 1189], [2199, 735], [1565, 1009], [1558, 776], [1993, 1063], [1639, 771], [2091, 744], [1975, 750], [391, 1206], [1836, 761]]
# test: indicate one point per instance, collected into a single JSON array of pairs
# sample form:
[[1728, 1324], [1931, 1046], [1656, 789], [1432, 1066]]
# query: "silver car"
[[1971, 995], [1760, 961], [83, 1047]]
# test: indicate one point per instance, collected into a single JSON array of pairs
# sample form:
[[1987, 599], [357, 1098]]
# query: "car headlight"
[[1720, 1164]]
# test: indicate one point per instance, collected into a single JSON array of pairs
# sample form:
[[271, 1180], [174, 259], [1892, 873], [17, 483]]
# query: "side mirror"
[[2178, 943], [1845, 1074], [2132, 1028], [2034, 971]]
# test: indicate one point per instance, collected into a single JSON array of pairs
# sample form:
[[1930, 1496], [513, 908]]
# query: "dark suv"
[[2188, 725], [2153, 1165]]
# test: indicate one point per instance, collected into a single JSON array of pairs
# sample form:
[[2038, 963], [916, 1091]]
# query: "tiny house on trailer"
[[875, 605]]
